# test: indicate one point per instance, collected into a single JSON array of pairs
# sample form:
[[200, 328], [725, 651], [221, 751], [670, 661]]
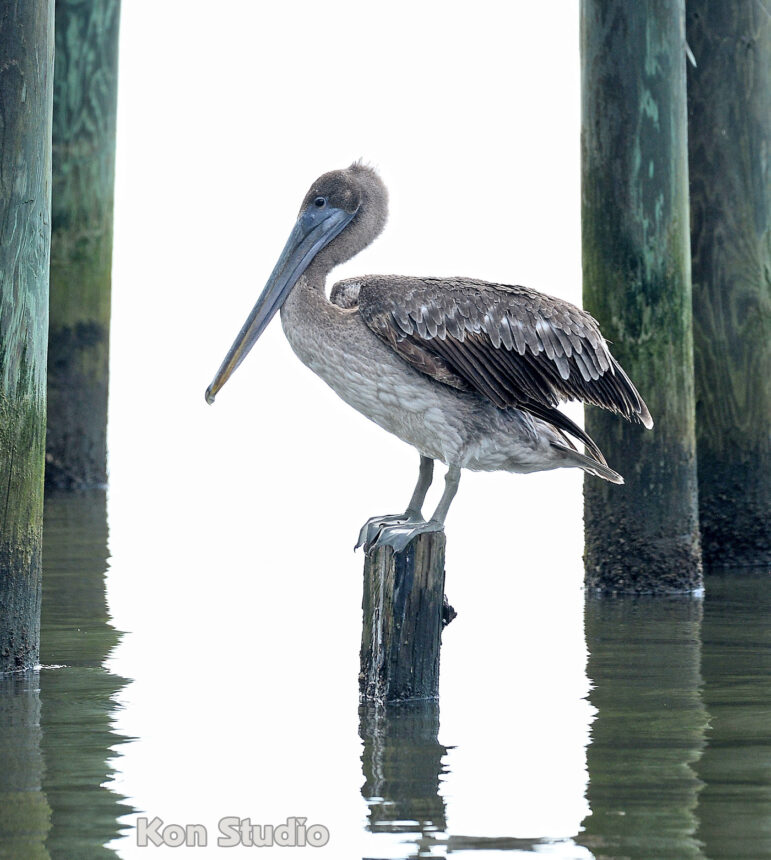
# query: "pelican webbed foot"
[[398, 531], [370, 530], [399, 535]]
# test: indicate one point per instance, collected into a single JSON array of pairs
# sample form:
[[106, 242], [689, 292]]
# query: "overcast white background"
[[232, 526]]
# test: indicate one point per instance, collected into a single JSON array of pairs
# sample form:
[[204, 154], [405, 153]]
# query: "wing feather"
[[513, 345]]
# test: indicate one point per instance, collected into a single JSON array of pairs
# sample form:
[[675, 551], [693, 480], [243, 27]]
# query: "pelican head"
[[343, 211]]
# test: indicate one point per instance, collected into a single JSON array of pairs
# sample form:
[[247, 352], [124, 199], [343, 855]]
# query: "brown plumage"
[[515, 346]]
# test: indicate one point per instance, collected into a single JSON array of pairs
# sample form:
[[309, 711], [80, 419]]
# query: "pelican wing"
[[514, 345]]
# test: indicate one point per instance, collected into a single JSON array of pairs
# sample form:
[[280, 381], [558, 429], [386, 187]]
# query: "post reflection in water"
[[404, 766], [25, 816], [56, 736], [680, 756], [645, 666], [402, 761], [77, 740], [735, 804]]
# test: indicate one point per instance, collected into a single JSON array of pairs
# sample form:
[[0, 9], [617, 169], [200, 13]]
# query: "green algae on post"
[[644, 536], [26, 73]]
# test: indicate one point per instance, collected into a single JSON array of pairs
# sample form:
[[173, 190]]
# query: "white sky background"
[[232, 526]]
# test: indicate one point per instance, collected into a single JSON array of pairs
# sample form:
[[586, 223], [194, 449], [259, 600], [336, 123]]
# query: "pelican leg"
[[425, 477], [370, 529], [400, 534]]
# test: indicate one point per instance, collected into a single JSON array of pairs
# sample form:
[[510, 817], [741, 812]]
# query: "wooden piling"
[[729, 128], [403, 607], [85, 106], [26, 73], [644, 536]]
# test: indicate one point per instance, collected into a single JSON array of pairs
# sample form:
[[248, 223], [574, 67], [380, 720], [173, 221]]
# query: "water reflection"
[[77, 701], [735, 804], [680, 758], [645, 665], [679, 763], [402, 765], [56, 753], [25, 816]]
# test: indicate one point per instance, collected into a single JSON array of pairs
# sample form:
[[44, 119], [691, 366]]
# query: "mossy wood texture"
[[85, 100], [26, 76], [402, 629], [729, 132], [643, 536]]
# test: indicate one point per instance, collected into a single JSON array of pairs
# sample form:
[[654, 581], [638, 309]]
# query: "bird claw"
[[369, 531], [399, 536]]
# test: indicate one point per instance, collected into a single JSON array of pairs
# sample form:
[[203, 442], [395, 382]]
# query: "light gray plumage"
[[469, 372]]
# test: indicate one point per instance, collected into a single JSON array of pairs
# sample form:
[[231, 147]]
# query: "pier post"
[[85, 107], [643, 536], [26, 100], [403, 608], [729, 126]]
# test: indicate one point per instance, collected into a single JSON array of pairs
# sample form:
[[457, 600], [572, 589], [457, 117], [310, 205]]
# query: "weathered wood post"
[[729, 128], [26, 98], [85, 100], [403, 608], [644, 536]]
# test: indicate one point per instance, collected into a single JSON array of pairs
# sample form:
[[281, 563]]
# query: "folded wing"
[[515, 346]]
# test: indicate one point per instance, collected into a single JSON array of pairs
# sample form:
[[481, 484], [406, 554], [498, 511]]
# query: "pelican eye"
[[320, 201]]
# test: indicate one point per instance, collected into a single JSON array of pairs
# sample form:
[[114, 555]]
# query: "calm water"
[[679, 759], [56, 739]]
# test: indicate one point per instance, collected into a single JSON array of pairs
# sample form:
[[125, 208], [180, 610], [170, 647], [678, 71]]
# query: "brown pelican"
[[469, 372]]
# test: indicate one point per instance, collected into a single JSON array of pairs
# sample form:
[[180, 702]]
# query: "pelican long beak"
[[315, 229]]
